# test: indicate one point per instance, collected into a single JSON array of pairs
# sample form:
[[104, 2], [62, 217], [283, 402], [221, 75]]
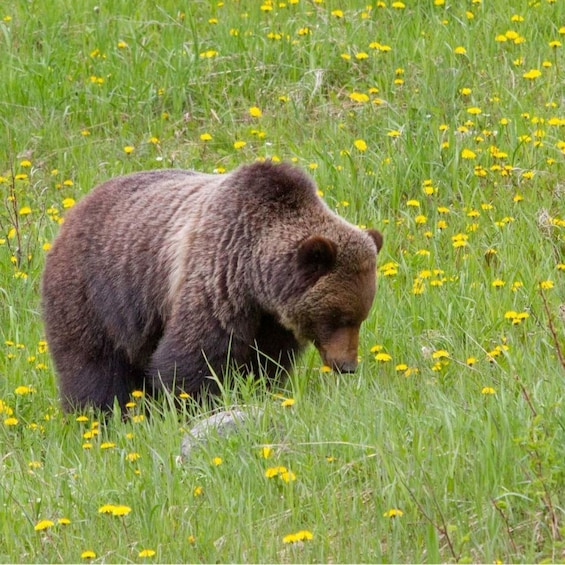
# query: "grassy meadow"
[[439, 122]]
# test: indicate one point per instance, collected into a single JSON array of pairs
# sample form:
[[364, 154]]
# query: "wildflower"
[[287, 476], [359, 97], [24, 211], [474, 110], [498, 283], [440, 354], [217, 461], [146, 553], [239, 144], [546, 285], [360, 145], [282, 472], [107, 445], [459, 240], [88, 554], [383, 357], [22, 390], [337, 13], [471, 361], [393, 513], [133, 456], [413, 203], [533, 74], [115, 510], [11, 421], [129, 149], [43, 525], [255, 112], [68, 202], [361, 56], [287, 402], [394, 133], [198, 490], [208, 54], [460, 50], [488, 390], [191, 540], [325, 369], [302, 535], [468, 154]]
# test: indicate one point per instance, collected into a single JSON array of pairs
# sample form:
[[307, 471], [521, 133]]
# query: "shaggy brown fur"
[[159, 278]]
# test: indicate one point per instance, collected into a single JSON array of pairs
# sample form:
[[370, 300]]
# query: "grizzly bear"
[[162, 279]]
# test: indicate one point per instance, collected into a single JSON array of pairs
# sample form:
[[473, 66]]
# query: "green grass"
[[470, 447]]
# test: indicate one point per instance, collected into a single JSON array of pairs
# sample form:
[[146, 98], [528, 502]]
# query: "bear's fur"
[[157, 279]]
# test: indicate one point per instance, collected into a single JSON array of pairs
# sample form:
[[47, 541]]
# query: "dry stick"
[[508, 528], [441, 529], [552, 329]]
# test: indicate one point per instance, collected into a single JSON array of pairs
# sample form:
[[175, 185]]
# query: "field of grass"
[[439, 122]]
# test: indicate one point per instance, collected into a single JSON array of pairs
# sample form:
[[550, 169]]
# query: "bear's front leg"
[[192, 363]]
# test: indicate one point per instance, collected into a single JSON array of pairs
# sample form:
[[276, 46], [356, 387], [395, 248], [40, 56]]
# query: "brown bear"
[[160, 279]]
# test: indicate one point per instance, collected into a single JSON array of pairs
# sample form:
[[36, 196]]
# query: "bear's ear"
[[377, 237], [316, 256]]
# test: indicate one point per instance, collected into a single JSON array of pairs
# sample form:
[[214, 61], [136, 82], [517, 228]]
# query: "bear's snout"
[[340, 350]]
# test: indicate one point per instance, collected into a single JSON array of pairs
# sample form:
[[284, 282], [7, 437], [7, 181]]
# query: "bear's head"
[[338, 281]]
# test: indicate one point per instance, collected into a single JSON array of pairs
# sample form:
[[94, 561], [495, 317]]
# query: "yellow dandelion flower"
[[359, 97], [239, 144], [546, 285], [63, 521], [43, 525], [209, 54], [23, 389], [360, 145], [383, 357], [302, 535], [217, 461], [129, 149], [146, 553], [255, 112], [68, 202], [205, 137], [532, 74], [24, 211], [121, 510], [88, 554], [440, 354], [393, 513], [460, 50], [11, 421], [468, 154], [488, 390], [198, 491], [288, 402]]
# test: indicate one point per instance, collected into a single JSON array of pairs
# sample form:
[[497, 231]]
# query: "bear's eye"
[[339, 320]]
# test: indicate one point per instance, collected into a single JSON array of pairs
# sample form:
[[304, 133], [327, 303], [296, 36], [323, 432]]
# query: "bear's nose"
[[345, 366]]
